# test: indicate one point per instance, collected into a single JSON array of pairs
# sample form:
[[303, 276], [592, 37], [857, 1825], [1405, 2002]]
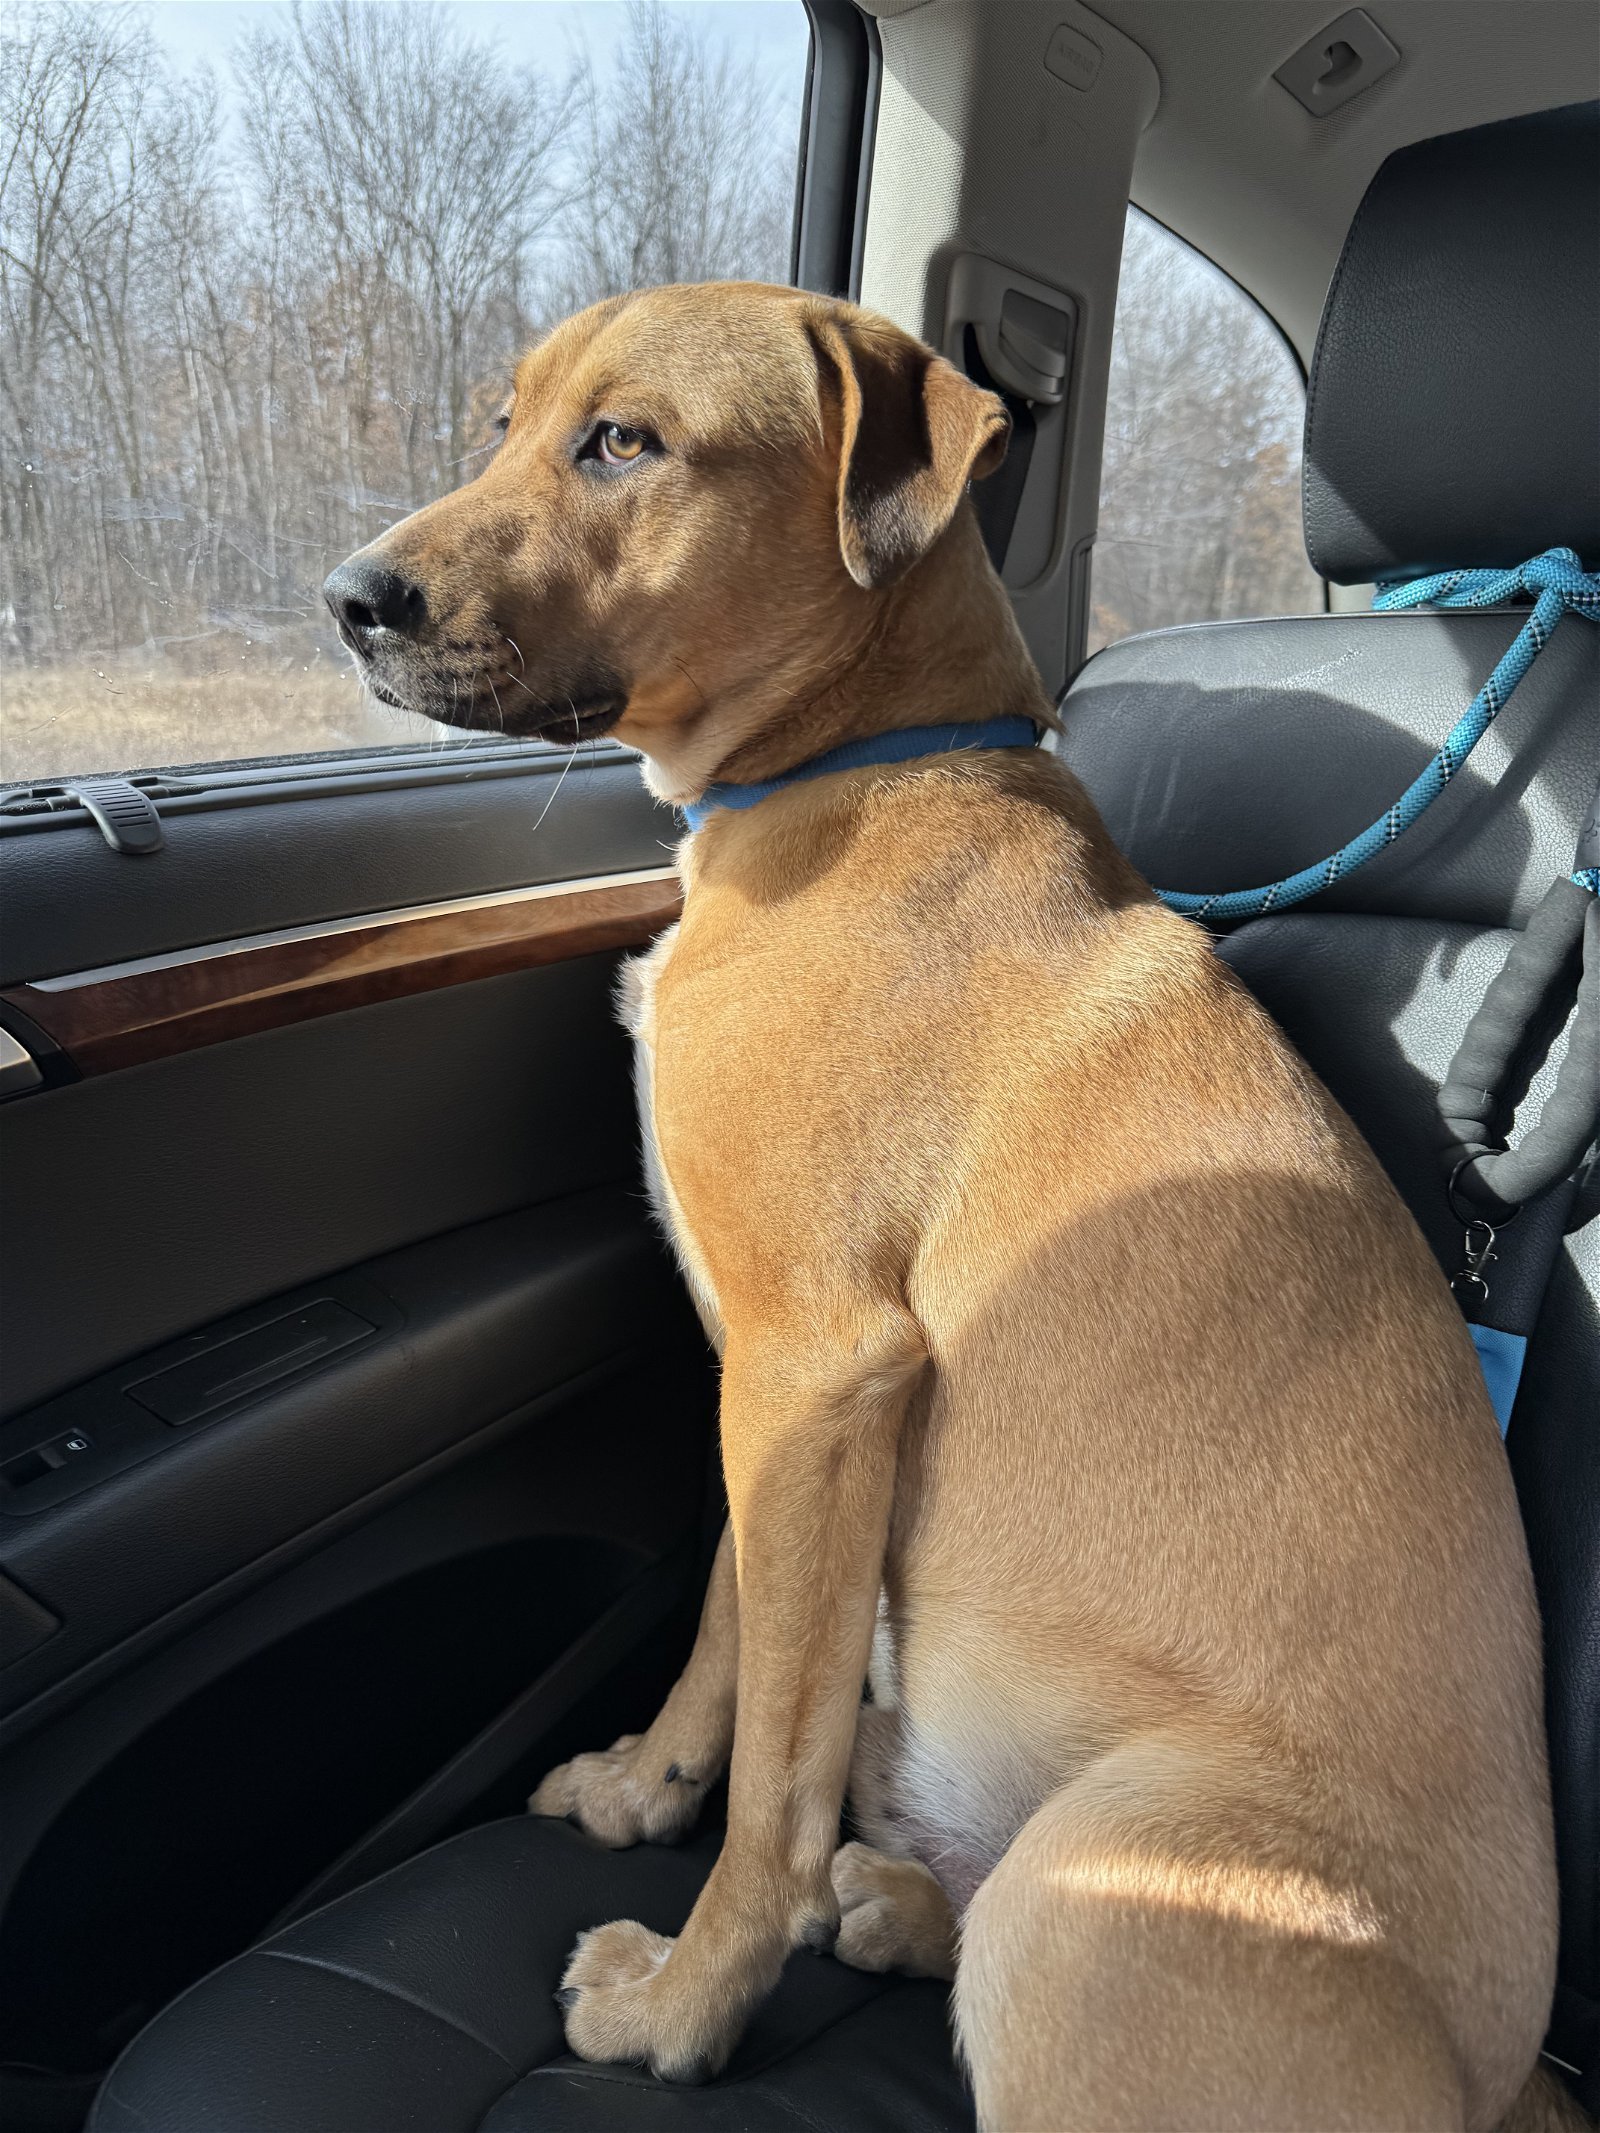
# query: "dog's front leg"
[[810, 1421], [652, 1785]]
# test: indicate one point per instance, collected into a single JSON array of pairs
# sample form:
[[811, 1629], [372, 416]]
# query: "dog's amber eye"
[[620, 446]]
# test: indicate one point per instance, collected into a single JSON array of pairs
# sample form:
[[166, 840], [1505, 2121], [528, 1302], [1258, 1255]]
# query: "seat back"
[[1453, 419]]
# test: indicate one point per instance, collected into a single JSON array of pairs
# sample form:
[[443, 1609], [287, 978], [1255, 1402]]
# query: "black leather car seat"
[[1453, 419]]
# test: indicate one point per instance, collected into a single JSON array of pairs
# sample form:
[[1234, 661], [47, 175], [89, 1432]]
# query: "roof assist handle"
[[1339, 63]]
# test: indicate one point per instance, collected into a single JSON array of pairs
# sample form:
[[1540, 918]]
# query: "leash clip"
[[1478, 1253]]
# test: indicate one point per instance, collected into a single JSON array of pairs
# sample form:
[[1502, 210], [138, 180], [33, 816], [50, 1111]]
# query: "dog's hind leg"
[[1546, 2105], [1156, 1949], [651, 1785], [893, 1915]]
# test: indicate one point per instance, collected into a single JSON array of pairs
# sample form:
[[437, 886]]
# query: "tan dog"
[[1059, 1305]]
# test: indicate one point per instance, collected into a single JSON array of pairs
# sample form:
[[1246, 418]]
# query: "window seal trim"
[[1232, 280], [213, 786], [839, 120]]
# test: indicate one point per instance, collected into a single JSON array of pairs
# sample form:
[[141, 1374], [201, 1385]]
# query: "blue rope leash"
[[1558, 584]]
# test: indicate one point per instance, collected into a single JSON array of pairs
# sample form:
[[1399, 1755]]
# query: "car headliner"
[[1234, 165]]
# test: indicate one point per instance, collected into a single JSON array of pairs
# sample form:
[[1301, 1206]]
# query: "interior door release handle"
[[19, 1070]]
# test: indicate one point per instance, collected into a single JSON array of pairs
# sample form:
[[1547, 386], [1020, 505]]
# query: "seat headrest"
[[1453, 416]]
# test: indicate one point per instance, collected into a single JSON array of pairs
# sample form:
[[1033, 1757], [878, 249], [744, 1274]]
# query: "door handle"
[[19, 1070]]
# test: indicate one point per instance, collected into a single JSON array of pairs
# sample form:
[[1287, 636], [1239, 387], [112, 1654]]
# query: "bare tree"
[[76, 101], [685, 169], [244, 325], [423, 172], [1200, 484], [246, 322]]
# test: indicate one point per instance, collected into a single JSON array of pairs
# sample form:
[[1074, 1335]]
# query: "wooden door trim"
[[123, 1014]]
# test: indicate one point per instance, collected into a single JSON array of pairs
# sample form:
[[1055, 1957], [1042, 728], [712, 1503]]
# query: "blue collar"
[[901, 746]]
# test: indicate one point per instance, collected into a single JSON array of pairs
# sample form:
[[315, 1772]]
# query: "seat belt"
[[998, 500], [1551, 974]]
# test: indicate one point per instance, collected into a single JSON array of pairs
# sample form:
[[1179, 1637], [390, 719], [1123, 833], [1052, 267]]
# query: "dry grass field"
[[133, 714]]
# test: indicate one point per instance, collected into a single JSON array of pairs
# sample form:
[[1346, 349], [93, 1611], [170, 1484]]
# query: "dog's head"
[[703, 497]]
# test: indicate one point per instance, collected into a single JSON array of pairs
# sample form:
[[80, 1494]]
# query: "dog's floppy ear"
[[913, 433]]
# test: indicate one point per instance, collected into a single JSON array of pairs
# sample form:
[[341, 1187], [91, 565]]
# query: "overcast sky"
[[774, 31]]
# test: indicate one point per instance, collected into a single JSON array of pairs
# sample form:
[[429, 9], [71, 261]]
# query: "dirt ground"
[[128, 714]]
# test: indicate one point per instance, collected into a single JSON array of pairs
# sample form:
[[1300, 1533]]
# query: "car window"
[[1200, 483], [264, 270]]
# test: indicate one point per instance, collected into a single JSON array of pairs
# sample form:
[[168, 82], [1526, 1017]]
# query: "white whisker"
[[560, 781]]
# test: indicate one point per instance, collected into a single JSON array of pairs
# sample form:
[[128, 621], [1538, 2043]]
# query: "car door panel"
[[203, 1182], [470, 1332], [164, 1823], [400, 1477], [125, 1014], [335, 1594]]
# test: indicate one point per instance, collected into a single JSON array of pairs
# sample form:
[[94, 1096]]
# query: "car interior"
[[357, 1437]]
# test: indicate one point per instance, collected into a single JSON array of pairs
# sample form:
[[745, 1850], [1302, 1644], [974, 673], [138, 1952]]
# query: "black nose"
[[366, 595]]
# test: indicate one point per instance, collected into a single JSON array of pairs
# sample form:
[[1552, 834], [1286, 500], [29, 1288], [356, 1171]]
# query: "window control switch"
[[62, 1451], [42, 1460]]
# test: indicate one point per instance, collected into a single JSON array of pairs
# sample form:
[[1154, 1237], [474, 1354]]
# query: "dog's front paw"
[[616, 2008], [625, 1793]]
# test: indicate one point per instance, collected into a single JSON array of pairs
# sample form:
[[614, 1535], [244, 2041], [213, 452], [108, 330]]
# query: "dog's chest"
[[636, 1007]]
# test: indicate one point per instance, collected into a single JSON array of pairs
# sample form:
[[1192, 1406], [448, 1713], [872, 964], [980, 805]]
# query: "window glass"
[[265, 268], [1200, 485]]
